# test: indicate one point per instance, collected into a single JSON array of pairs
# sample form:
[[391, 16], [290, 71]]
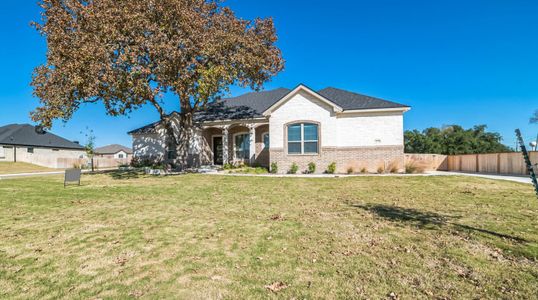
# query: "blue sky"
[[454, 62]]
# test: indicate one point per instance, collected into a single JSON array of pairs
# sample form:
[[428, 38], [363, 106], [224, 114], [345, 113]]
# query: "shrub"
[[331, 168], [380, 170], [293, 169], [147, 161], [350, 170], [228, 166], [274, 168], [311, 168], [363, 170], [411, 168], [393, 168]]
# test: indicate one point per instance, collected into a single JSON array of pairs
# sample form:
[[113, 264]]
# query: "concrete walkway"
[[521, 179]]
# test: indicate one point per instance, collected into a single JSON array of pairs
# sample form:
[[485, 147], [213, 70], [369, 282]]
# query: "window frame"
[[236, 157], [171, 151], [29, 149], [302, 140], [263, 140]]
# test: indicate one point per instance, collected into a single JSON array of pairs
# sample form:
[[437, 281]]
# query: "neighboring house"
[[285, 126], [114, 151], [27, 143]]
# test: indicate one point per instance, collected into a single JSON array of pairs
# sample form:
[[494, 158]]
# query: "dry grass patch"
[[128, 235], [21, 167]]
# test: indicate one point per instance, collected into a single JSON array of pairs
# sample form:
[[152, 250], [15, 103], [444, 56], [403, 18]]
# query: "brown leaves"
[[128, 53], [276, 286], [276, 217]]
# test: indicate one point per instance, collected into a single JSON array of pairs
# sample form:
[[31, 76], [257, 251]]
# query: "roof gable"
[[113, 149], [298, 89]]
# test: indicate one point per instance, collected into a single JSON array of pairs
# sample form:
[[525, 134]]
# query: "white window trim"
[[233, 144], [263, 140], [302, 141]]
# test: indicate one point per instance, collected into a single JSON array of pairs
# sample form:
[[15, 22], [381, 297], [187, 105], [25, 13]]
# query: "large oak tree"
[[129, 53]]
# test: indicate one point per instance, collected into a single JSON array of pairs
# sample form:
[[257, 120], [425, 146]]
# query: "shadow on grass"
[[426, 220], [128, 174]]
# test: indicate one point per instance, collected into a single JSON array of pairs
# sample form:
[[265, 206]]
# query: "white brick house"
[[291, 126]]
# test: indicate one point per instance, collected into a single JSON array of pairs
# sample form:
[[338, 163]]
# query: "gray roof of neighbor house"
[[28, 135], [252, 105], [112, 149]]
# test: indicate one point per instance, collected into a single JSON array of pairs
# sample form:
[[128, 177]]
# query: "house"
[[31, 144], [114, 151], [284, 126]]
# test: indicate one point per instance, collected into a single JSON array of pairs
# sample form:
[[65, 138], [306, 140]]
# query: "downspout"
[[14, 153]]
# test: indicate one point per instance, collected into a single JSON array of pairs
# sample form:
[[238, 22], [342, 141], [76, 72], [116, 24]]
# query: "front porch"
[[238, 143]]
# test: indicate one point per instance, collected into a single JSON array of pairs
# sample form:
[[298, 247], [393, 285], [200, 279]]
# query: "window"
[[2, 152], [266, 140], [242, 146], [303, 138], [120, 155], [30, 150], [171, 152], [55, 149]]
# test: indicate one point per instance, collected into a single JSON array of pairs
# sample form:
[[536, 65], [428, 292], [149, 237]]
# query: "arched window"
[[303, 138]]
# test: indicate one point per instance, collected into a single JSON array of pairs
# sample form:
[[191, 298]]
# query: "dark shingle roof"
[[246, 106], [252, 105], [352, 101], [113, 149], [27, 135]]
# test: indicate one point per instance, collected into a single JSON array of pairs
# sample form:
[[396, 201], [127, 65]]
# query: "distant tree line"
[[534, 118], [454, 139]]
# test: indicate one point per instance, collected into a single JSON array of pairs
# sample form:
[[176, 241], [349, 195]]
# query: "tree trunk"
[[179, 134], [185, 139]]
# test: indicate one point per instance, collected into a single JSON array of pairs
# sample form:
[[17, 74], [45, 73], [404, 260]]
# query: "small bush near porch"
[[201, 236]]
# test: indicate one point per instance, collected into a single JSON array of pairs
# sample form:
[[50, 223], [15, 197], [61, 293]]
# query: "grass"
[[206, 236], [21, 167], [249, 170]]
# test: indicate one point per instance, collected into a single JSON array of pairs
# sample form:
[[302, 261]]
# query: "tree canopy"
[[534, 118], [126, 54], [454, 139]]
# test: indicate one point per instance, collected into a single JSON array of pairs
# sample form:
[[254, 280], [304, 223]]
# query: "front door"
[[217, 150]]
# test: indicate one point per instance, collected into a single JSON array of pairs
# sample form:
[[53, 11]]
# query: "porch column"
[[252, 143], [225, 144]]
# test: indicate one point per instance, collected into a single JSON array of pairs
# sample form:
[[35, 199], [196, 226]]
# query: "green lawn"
[[21, 167], [203, 236]]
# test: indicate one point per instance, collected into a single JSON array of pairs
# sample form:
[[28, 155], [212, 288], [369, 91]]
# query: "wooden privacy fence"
[[427, 162], [511, 163], [98, 162]]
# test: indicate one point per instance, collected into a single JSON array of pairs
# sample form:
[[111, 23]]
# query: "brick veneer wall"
[[370, 158]]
